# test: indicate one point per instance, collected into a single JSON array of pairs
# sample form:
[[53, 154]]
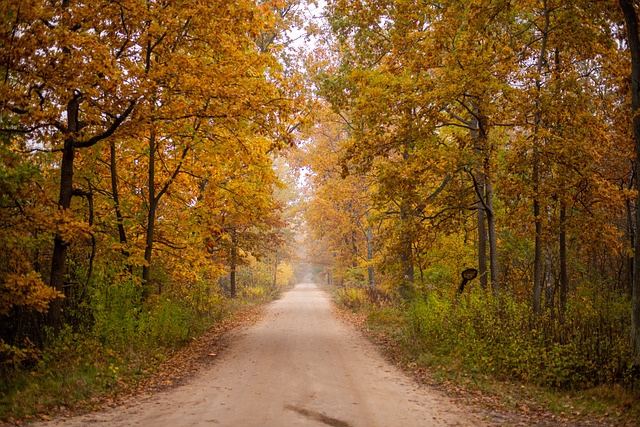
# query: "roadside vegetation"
[[124, 343], [498, 356], [499, 140], [143, 193], [150, 154]]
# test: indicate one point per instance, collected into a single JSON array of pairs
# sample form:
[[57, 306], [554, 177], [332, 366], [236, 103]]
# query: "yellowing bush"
[[590, 346], [352, 297]]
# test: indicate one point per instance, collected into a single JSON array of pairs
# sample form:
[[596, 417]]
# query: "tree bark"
[[151, 217], [491, 222], [59, 258], [480, 180], [233, 261], [564, 277], [370, 271], [633, 40], [538, 261], [122, 235], [482, 233]]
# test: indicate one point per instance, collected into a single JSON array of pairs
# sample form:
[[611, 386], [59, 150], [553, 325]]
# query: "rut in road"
[[299, 366]]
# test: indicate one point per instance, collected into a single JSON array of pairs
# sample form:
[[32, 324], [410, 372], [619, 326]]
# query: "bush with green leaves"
[[586, 347], [352, 297]]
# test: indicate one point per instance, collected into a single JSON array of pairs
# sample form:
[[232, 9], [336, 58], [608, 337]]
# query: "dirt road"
[[299, 366]]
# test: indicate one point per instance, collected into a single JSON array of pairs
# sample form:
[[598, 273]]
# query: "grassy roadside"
[[80, 373], [505, 402]]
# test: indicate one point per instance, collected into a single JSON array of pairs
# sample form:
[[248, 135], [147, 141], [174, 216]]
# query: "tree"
[[160, 81], [633, 42], [339, 209], [64, 61]]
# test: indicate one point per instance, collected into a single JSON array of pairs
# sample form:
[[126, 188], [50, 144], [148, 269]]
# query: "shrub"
[[352, 297], [254, 293], [587, 347], [169, 324]]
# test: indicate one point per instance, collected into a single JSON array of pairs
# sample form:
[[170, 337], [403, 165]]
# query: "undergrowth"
[[125, 344], [123, 347], [577, 364], [588, 347], [112, 338]]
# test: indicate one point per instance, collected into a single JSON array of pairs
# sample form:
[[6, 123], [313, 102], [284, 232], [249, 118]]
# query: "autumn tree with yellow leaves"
[[136, 136], [493, 135]]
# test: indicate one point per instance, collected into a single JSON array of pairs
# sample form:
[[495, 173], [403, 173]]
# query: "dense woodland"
[[140, 172], [153, 152], [493, 135]]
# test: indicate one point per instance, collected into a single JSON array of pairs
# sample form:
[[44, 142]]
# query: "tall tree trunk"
[[564, 277], [491, 222], [633, 40], [153, 201], [59, 257], [538, 260], [122, 235], [151, 217], [479, 181], [234, 261], [482, 232]]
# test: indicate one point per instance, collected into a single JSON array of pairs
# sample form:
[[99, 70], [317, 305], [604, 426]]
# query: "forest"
[[496, 136], [165, 163]]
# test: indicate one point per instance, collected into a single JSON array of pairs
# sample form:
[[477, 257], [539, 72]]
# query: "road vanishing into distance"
[[298, 366]]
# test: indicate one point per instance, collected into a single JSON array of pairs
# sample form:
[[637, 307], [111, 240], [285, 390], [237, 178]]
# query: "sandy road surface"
[[299, 366]]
